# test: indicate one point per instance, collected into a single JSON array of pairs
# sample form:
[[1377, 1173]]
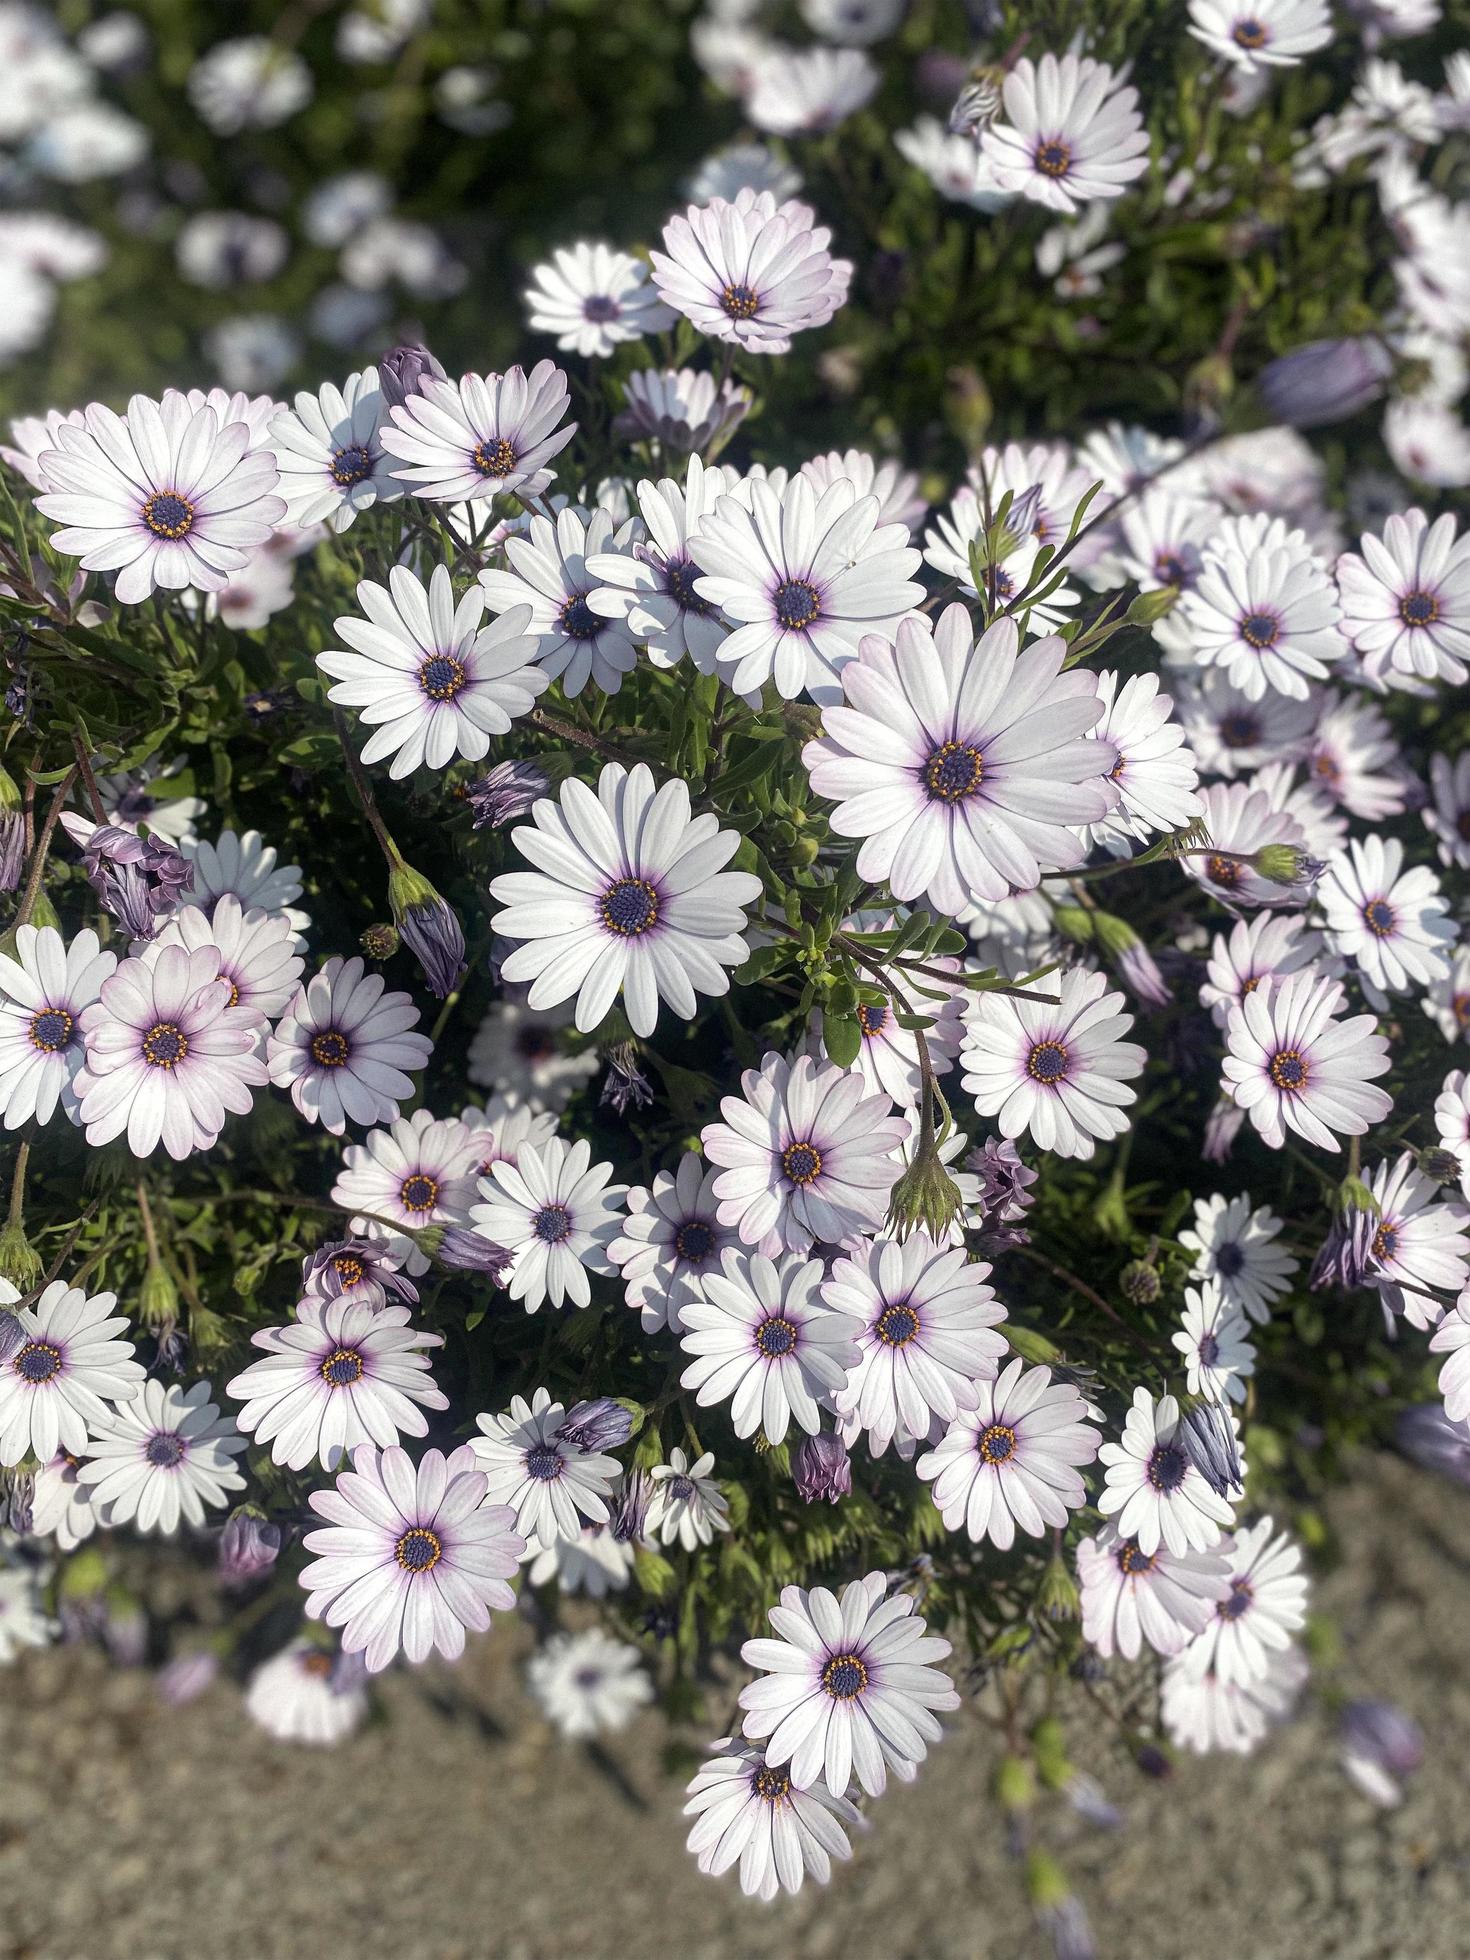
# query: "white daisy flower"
[[409, 1557], [680, 409], [1263, 608], [803, 1155], [927, 1318], [1202, 1713], [1354, 758], [1294, 1064], [1406, 600], [1231, 734], [763, 1340], [24, 1621], [515, 1049], [1421, 1245], [737, 167], [1239, 819], [751, 270], [1154, 771], [651, 586], [252, 82], [594, 1564], [555, 1213], [1162, 538], [1448, 817], [45, 985], [343, 1046], [31, 436], [1266, 947], [503, 1128], [62, 1506], [1071, 133], [808, 91], [329, 452], [552, 573], [481, 436], [955, 165], [963, 765], [851, 1687], [1153, 1490], [439, 683], [1130, 1596], [947, 549], [593, 299], [1056, 1073], [164, 497], [805, 577], [687, 1503], [671, 1239], [888, 1059], [1452, 1121], [58, 1384], [1427, 441], [256, 951], [167, 1056], [747, 1810], [1074, 254], [1250, 34], [900, 500], [1013, 1459], [1452, 1337], [552, 1481], [164, 1456], [1214, 1339], [242, 864], [1265, 1606], [1235, 1248], [1447, 1002], [587, 1683], [345, 1372], [306, 1693], [420, 1171], [628, 896], [129, 802], [1389, 922]]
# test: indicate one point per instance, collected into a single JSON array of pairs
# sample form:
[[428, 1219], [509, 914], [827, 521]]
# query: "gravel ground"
[[459, 1827]]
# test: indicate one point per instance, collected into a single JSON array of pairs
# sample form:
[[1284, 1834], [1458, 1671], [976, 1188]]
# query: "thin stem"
[[1087, 1293], [566, 731], [43, 844], [18, 1184], [365, 794], [150, 1233], [94, 795]]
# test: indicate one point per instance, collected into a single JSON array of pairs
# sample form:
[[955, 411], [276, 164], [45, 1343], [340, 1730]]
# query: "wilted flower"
[[403, 371], [630, 1507], [599, 1425], [626, 1083], [1380, 1744], [821, 1469], [248, 1549], [505, 792], [1325, 381], [136, 879], [1343, 1260], [429, 929], [1208, 1437]]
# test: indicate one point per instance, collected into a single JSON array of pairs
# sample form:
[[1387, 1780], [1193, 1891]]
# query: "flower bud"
[[1285, 864], [379, 942], [1150, 607], [1032, 1347], [1140, 1283], [600, 1424], [12, 1334], [403, 371], [1325, 381], [158, 1298], [925, 1196], [1440, 1166], [505, 792], [630, 1507], [248, 1548], [1015, 1785], [1380, 1744], [185, 1678], [428, 927], [1057, 1595], [464, 1251], [20, 1263], [1208, 1439], [821, 1469], [12, 849]]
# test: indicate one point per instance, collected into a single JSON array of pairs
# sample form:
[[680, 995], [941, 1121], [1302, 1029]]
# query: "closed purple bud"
[[1139, 972], [1222, 1127], [821, 1469], [600, 1424], [125, 1632], [467, 1252], [630, 1507], [1090, 1801], [505, 792], [432, 933], [1346, 1251], [17, 1507], [12, 848], [1380, 1744], [1209, 1442], [248, 1549], [1427, 1437], [403, 371], [184, 1679], [12, 1335], [1325, 381], [1071, 1935]]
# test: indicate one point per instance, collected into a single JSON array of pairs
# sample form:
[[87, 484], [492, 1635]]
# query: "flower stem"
[[43, 844], [365, 795]]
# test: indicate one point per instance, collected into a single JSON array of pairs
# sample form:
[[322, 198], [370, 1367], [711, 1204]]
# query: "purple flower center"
[[1167, 1465], [1133, 1562], [601, 306], [441, 677], [330, 1048], [552, 1224], [165, 1450], [1378, 916], [37, 1362], [1209, 1350], [629, 907], [1419, 609], [1237, 1601], [694, 1240], [164, 1045], [796, 604], [1229, 1259], [1053, 159], [1260, 630], [351, 465], [802, 1162], [872, 1020], [1171, 569], [578, 621], [775, 1337], [1288, 1071], [679, 577], [51, 1030], [1249, 33], [418, 1192], [954, 772], [493, 458], [1047, 1061], [844, 1677], [682, 1488], [1386, 1241], [740, 302], [997, 1444], [544, 1462], [772, 1786], [1240, 730], [419, 1549], [897, 1324], [168, 515], [342, 1368]]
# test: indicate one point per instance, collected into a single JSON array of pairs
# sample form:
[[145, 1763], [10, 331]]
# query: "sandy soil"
[[459, 1827]]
